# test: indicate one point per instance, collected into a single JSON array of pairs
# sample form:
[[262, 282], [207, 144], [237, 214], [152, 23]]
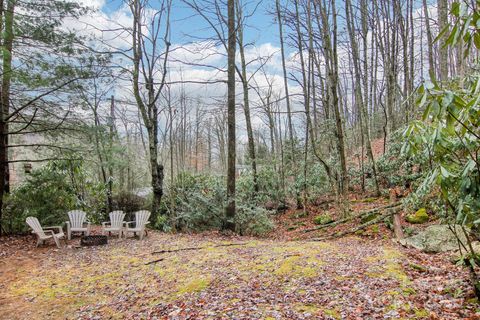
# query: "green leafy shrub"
[[253, 221], [197, 202], [323, 219], [395, 168], [162, 223], [46, 194]]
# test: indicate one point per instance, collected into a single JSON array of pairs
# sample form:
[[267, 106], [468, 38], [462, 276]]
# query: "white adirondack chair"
[[116, 223], [77, 223], [45, 233], [141, 220]]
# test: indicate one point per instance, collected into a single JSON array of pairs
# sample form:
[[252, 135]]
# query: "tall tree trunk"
[[442, 9], [149, 109], [431, 64], [5, 102], [290, 130], [331, 58], [360, 101], [110, 164], [230, 209], [306, 93], [285, 78], [246, 101]]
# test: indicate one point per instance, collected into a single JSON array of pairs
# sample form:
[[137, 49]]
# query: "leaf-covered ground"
[[230, 278]]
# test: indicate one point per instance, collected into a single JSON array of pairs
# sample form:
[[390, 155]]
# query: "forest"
[[239, 159]]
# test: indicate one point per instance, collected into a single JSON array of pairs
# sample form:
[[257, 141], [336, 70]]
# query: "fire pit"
[[96, 240]]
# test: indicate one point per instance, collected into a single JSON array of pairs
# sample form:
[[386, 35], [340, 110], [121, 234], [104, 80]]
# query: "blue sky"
[[185, 22]]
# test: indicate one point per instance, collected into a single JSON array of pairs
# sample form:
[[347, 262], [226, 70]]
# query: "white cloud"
[[107, 30]]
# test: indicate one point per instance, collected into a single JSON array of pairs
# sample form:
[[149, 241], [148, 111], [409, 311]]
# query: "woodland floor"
[[230, 278]]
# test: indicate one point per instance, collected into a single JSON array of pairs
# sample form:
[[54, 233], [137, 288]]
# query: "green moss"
[[196, 285], [369, 217], [391, 269], [375, 229], [395, 271], [472, 301], [292, 266], [235, 300], [407, 291], [392, 293], [421, 216], [322, 219], [333, 313], [306, 308], [421, 314], [418, 267]]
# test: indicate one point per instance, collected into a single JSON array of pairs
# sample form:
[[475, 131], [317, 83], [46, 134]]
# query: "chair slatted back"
[[116, 218], [77, 218], [35, 225], [141, 218]]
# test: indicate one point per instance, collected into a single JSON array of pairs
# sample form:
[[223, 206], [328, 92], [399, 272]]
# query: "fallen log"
[[154, 261], [389, 212], [355, 216]]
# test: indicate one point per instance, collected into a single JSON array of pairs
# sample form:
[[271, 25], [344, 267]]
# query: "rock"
[[436, 238], [421, 216]]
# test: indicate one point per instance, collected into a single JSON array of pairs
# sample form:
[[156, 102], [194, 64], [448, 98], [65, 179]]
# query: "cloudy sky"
[[191, 50], [192, 53]]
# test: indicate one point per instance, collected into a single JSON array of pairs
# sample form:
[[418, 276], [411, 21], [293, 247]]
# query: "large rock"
[[435, 238]]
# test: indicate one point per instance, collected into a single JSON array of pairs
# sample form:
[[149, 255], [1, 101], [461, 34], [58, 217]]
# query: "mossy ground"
[[253, 279]]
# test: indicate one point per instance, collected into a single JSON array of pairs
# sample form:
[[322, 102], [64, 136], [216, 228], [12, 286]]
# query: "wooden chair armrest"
[[126, 223], [49, 231], [60, 229]]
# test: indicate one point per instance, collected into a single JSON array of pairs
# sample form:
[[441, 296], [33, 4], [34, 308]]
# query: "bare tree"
[[149, 49]]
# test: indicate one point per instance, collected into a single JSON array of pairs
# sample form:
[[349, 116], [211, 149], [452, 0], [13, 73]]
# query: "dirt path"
[[255, 279]]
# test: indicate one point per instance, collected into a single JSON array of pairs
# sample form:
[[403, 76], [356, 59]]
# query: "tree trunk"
[[230, 209], [110, 165], [246, 101], [331, 57], [442, 9], [397, 218], [149, 109], [5, 102], [360, 101], [431, 64]]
